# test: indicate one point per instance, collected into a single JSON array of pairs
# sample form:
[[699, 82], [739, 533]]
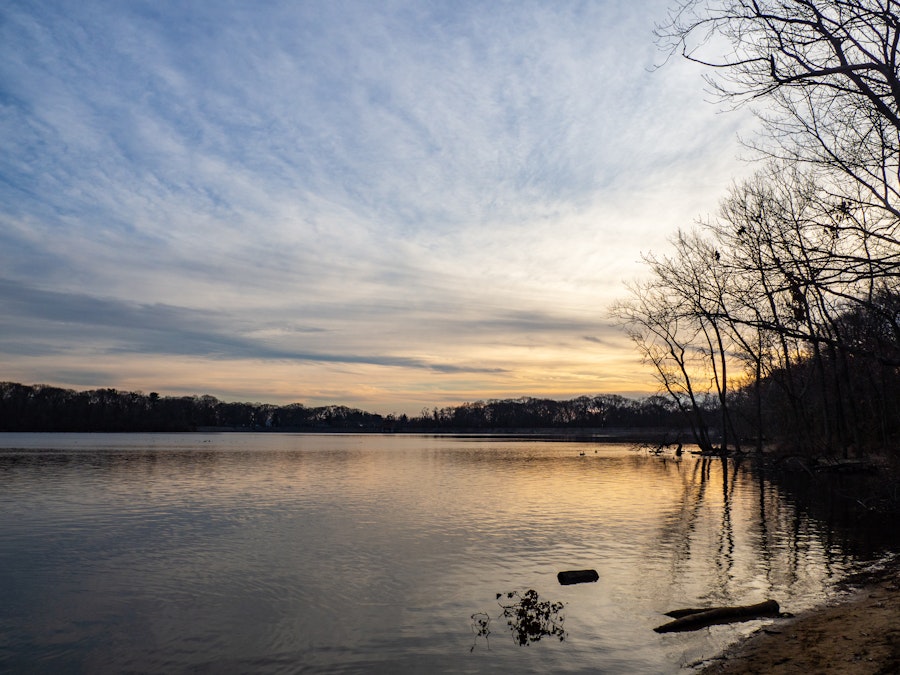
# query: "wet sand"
[[860, 635]]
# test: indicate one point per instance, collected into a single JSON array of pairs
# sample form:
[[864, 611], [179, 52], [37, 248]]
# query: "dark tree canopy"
[[45, 408]]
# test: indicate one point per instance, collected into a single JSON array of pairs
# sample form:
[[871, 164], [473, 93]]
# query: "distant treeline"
[[45, 408]]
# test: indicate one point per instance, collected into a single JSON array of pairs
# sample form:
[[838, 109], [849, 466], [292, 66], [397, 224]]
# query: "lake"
[[269, 553]]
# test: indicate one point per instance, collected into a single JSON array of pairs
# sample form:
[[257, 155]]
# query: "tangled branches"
[[528, 617]]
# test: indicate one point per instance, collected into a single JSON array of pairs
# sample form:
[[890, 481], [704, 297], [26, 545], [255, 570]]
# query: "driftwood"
[[693, 619], [577, 577]]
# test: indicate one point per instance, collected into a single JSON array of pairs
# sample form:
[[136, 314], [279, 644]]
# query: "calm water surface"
[[273, 553]]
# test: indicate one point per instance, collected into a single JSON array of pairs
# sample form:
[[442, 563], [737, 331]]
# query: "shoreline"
[[858, 633]]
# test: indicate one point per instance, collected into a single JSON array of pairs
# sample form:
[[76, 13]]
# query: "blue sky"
[[390, 205]]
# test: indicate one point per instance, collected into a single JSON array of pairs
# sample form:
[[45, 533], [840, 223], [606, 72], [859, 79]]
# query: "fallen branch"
[[693, 619]]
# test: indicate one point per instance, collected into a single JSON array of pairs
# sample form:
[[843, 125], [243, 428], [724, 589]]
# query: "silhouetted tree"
[[822, 73]]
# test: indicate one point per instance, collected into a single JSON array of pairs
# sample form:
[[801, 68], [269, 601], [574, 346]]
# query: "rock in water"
[[577, 577]]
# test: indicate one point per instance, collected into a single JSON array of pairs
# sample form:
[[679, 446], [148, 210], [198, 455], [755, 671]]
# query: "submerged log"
[[577, 577], [693, 619]]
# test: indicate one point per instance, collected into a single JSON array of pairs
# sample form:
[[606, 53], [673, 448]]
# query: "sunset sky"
[[388, 205]]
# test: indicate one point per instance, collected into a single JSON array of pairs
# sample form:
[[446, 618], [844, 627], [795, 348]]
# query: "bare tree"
[[822, 75], [673, 317], [797, 270], [698, 279], [803, 260], [760, 293]]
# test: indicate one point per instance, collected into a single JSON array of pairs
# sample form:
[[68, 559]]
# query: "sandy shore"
[[859, 635]]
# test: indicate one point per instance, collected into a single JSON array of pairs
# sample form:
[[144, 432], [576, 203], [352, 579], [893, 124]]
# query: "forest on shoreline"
[[41, 407]]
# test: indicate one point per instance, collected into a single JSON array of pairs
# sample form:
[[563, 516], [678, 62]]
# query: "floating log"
[[693, 619], [577, 577]]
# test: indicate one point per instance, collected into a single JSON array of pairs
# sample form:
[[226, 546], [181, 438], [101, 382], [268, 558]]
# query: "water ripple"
[[347, 554]]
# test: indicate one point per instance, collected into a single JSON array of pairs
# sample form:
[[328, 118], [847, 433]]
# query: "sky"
[[389, 205]]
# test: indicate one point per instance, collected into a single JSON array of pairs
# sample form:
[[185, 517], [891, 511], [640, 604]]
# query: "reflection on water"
[[271, 553]]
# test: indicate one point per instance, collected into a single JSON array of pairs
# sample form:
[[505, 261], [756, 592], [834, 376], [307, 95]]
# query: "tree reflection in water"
[[528, 617], [740, 526]]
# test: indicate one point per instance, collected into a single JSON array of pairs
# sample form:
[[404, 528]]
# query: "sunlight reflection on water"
[[285, 553]]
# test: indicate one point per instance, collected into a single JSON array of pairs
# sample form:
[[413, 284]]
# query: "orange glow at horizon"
[[503, 373]]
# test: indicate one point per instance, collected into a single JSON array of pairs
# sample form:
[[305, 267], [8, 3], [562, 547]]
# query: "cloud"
[[410, 185], [165, 329]]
